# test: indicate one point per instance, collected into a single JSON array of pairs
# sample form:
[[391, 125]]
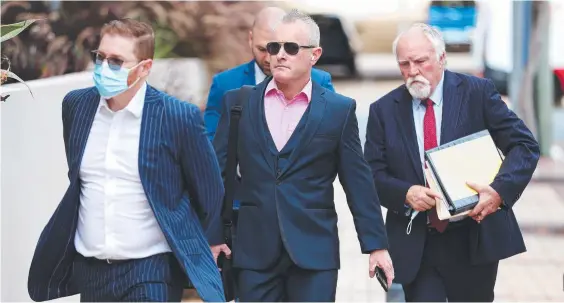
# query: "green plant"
[[8, 31]]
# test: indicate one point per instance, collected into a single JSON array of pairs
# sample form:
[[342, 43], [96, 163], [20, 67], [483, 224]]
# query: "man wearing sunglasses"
[[295, 138], [253, 72], [140, 165]]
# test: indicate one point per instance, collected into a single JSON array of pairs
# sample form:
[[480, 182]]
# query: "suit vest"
[[281, 158]]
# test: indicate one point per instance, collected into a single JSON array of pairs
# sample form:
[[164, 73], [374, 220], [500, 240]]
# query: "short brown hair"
[[143, 32]]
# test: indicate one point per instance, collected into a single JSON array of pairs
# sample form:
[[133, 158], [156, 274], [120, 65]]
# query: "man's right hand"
[[218, 249], [421, 198]]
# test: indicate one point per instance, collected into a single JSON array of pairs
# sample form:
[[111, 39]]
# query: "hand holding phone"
[[380, 266], [381, 277]]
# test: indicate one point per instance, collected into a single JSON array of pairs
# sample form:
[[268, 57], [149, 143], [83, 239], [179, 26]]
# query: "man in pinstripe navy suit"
[[442, 260], [143, 205]]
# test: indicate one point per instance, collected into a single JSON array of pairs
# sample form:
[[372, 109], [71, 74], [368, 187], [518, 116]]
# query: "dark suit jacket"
[[180, 174], [292, 207], [236, 77], [470, 104]]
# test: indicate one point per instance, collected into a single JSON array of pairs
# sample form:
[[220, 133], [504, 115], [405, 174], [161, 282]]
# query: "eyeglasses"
[[113, 63], [291, 48]]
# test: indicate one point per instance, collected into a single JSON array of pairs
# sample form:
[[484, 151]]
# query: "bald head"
[[421, 31], [267, 18], [261, 33]]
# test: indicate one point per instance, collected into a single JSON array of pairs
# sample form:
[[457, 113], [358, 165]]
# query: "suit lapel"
[[82, 123], [316, 112], [256, 116], [150, 136], [404, 119], [452, 101], [249, 78]]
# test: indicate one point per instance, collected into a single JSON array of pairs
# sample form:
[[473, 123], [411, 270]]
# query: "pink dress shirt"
[[283, 115]]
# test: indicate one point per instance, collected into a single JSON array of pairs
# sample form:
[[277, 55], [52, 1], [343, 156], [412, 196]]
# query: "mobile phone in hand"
[[381, 276]]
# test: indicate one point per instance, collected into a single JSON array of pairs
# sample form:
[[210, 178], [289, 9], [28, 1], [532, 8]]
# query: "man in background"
[[253, 72], [492, 44]]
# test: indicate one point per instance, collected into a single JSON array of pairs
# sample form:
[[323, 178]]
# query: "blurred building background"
[[519, 45]]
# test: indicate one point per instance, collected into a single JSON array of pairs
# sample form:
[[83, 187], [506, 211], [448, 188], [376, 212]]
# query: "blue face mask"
[[109, 82]]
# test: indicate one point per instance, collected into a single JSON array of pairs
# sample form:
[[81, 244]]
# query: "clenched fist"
[[218, 249]]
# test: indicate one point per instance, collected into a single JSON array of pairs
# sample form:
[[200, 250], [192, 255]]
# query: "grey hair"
[[431, 32], [295, 15]]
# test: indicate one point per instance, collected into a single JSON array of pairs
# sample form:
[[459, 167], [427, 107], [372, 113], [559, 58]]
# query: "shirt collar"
[[135, 106], [259, 74], [437, 95], [272, 87]]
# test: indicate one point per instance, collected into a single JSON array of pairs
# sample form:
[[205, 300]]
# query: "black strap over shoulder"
[[226, 265], [231, 163]]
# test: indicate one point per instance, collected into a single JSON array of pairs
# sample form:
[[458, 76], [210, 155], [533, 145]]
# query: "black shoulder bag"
[[228, 215]]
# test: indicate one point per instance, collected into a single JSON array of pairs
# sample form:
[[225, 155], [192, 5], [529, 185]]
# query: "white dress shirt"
[[115, 218], [259, 75]]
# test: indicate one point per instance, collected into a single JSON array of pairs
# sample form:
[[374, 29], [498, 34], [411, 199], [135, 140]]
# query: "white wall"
[[33, 166]]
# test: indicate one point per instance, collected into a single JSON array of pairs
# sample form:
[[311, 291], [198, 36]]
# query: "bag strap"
[[243, 95]]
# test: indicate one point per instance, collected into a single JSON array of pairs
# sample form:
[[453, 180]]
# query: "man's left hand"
[[489, 201], [381, 258]]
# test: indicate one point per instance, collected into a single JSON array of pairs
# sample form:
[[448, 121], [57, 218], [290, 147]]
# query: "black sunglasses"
[[291, 48], [113, 63]]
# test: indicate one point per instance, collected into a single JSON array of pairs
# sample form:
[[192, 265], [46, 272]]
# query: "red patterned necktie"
[[430, 139]]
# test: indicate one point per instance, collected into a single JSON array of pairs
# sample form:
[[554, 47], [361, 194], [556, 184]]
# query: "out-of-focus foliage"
[[7, 32], [215, 31], [61, 43]]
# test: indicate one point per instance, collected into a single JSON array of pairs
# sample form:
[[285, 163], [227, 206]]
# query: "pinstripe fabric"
[[154, 279], [180, 175], [470, 104]]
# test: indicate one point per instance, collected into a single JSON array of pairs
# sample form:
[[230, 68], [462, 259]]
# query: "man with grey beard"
[[444, 260]]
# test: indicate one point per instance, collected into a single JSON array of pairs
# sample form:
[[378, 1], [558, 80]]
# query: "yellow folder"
[[473, 158]]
